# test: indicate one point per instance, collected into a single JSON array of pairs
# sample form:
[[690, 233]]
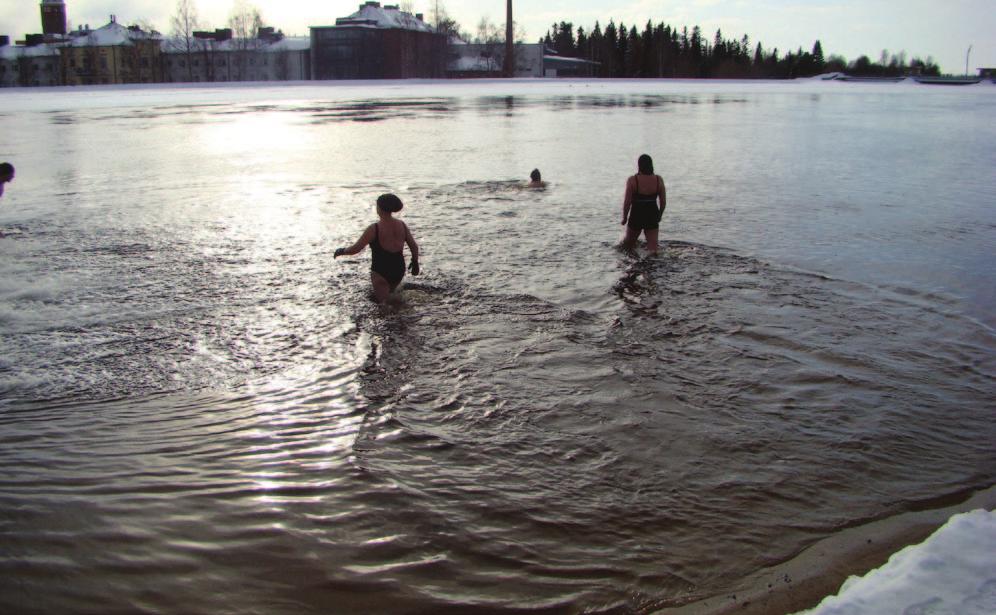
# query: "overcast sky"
[[942, 29]]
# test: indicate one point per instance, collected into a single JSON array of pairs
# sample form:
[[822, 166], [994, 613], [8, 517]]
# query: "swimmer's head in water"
[[645, 164], [535, 175], [390, 203], [6, 171]]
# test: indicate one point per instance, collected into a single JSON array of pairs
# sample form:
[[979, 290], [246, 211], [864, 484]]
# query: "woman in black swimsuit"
[[640, 211], [387, 240]]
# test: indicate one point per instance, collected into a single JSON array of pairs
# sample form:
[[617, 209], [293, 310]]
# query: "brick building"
[[378, 43]]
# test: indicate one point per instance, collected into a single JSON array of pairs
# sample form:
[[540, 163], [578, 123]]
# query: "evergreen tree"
[[608, 50], [818, 60], [563, 39], [582, 48], [622, 46], [664, 51]]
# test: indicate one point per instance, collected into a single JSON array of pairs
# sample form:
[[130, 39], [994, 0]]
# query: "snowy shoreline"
[[800, 584]]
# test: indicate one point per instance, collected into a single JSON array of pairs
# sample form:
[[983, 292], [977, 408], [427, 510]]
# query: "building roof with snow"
[[284, 43], [290, 43], [387, 17], [13, 52], [113, 34]]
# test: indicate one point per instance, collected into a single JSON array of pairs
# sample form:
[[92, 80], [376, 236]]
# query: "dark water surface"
[[201, 412]]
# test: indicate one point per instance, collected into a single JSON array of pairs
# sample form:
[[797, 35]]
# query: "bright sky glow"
[[942, 30]]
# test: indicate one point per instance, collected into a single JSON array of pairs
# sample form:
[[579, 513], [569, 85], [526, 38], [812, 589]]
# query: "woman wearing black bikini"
[[387, 239], [640, 211]]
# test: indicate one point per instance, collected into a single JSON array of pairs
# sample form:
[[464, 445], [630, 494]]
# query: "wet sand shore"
[[819, 571]]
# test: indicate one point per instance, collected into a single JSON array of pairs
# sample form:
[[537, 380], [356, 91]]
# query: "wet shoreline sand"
[[819, 571]]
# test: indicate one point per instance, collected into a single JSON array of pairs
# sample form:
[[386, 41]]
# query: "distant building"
[[562, 66], [378, 43], [29, 65], [112, 54], [469, 60], [987, 73], [218, 57], [531, 60]]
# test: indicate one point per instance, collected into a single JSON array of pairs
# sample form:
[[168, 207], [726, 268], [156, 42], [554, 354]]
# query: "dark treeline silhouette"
[[662, 51]]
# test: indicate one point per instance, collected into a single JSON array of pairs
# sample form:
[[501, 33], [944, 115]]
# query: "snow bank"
[[951, 573]]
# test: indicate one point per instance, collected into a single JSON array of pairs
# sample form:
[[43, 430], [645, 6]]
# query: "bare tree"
[[407, 6], [491, 42], [183, 24], [245, 22]]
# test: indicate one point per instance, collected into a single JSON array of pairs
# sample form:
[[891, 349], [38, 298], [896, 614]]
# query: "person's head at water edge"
[[6, 174], [536, 179]]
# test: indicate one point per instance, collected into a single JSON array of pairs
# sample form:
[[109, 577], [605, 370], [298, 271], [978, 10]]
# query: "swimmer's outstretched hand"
[[338, 252], [413, 267]]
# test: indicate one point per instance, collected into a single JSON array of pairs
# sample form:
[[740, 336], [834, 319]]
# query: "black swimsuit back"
[[389, 265], [643, 213]]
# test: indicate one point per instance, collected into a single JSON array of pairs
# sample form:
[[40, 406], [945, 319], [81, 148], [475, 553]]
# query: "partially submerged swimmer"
[[535, 180], [6, 174], [387, 239]]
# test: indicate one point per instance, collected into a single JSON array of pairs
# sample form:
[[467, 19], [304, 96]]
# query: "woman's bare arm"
[[628, 199], [662, 195], [410, 240], [361, 243]]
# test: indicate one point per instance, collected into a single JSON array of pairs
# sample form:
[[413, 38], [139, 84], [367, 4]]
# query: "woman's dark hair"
[[389, 202], [645, 164], [535, 175], [6, 169]]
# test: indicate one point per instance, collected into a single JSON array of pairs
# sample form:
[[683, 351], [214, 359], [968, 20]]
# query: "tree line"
[[662, 51]]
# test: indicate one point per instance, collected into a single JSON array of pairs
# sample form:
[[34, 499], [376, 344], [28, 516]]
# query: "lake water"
[[202, 412]]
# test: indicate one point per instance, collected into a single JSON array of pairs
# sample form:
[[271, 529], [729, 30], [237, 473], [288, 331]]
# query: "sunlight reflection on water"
[[195, 397]]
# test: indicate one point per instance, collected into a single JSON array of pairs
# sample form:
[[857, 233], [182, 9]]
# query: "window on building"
[[103, 62], [145, 62], [183, 63]]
